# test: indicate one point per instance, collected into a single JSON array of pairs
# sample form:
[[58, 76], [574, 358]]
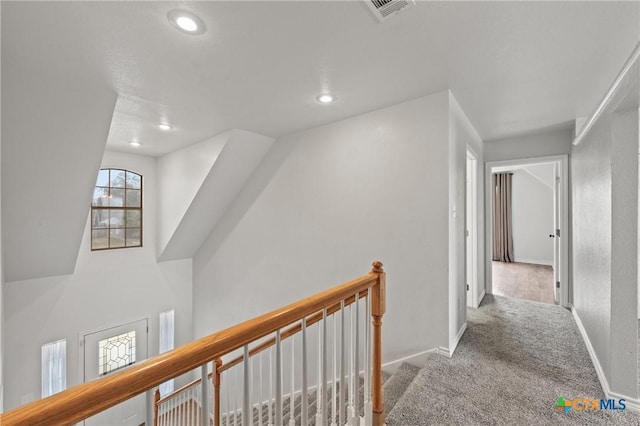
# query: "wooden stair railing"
[[87, 399]]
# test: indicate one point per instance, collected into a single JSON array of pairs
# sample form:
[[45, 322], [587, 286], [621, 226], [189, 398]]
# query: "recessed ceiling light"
[[326, 98], [165, 126], [186, 22], [135, 143]]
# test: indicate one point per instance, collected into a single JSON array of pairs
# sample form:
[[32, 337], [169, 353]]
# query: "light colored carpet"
[[523, 281], [513, 362]]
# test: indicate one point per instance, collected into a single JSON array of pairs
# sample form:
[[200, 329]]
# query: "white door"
[[108, 351], [557, 232]]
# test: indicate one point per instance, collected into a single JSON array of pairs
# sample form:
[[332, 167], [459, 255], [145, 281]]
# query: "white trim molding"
[[448, 352], [633, 404], [417, 359]]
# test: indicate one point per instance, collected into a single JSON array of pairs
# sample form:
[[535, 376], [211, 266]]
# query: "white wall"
[[108, 288], [461, 135], [325, 203], [555, 142], [604, 170], [532, 218], [180, 176]]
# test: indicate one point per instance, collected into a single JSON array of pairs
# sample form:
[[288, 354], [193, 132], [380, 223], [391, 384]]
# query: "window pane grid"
[[116, 210]]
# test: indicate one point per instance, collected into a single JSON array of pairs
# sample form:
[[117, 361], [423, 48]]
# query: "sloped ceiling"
[[240, 155], [50, 158]]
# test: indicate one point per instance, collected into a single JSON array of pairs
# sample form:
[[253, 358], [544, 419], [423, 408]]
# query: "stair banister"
[[88, 399]]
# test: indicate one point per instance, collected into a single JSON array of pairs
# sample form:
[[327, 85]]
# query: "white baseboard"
[[416, 359], [479, 301], [535, 261], [448, 352], [633, 404]]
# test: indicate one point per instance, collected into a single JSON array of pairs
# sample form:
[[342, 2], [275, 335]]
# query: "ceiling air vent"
[[385, 9]]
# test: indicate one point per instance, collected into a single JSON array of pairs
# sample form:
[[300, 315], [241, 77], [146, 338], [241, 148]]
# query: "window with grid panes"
[[116, 210]]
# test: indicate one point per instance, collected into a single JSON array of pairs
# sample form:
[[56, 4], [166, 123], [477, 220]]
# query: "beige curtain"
[[502, 233]]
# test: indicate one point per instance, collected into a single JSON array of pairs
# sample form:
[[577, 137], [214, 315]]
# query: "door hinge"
[[557, 284], [467, 287], [467, 232], [557, 232]]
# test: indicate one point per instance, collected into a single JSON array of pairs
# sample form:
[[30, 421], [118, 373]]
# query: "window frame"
[[124, 207]]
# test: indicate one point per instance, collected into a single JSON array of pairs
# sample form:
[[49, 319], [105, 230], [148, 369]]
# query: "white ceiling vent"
[[385, 9]]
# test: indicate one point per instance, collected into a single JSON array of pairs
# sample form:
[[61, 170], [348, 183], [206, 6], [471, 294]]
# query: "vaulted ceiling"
[[81, 76], [514, 67]]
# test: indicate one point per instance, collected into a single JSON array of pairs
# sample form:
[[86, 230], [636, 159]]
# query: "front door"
[[109, 351]]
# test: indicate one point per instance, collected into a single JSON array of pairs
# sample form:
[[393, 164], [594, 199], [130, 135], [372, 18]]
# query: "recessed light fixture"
[[325, 98], [186, 22], [135, 143], [165, 126]]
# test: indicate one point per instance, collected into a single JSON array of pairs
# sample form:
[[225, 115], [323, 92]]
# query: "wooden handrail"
[[317, 317], [87, 399]]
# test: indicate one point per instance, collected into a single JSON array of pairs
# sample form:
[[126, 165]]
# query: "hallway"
[[512, 364]]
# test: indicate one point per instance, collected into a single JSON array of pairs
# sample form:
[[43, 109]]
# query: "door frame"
[[563, 162], [471, 227]]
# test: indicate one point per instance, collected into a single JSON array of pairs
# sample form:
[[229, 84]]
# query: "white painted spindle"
[[304, 401], [324, 368], [356, 363], [270, 407], [261, 391], [292, 421], [352, 389], [343, 382], [319, 389], [246, 390], [278, 390], [334, 388]]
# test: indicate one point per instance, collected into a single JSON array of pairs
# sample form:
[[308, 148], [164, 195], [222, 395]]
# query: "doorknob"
[[551, 236]]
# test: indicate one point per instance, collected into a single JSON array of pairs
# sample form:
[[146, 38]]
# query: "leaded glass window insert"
[[116, 210], [116, 352]]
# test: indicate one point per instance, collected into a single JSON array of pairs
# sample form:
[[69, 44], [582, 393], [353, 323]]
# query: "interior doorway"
[[536, 266]]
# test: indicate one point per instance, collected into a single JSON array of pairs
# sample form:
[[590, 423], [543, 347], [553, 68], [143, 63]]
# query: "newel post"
[[378, 307], [216, 391]]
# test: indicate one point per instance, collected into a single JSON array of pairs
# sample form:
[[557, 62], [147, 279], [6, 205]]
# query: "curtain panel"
[[502, 229]]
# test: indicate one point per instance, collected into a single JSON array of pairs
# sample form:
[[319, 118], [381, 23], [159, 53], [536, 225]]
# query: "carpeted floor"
[[523, 281], [513, 362]]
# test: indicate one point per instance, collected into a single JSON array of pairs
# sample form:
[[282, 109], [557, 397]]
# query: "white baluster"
[[205, 395], [368, 409], [246, 400], [343, 382], [292, 421], [356, 363], [278, 408], [304, 401], [270, 387], [324, 367], [352, 389], [320, 390], [261, 392], [334, 396]]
